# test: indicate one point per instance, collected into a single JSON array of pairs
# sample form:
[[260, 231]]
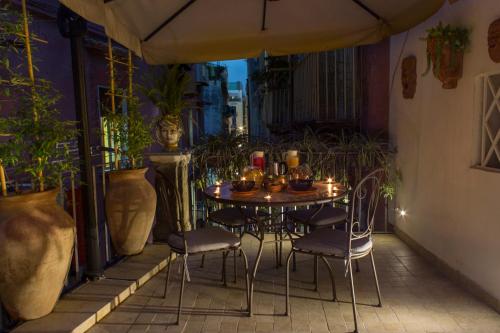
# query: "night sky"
[[237, 70]]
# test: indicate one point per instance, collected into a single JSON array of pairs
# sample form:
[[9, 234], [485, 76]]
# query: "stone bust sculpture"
[[494, 41], [409, 76]]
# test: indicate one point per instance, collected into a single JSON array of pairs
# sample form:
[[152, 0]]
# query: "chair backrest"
[[168, 196], [364, 204]]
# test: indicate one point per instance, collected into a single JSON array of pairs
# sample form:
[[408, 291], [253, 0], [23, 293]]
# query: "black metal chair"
[[346, 245], [192, 242]]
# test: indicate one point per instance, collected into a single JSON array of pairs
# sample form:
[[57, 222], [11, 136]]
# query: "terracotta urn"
[[130, 210], [36, 247], [168, 133], [451, 64]]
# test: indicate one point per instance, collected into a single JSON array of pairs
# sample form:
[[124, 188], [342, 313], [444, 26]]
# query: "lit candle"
[[335, 188], [329, 180], [243, 179], [268, 197], [217, 183]]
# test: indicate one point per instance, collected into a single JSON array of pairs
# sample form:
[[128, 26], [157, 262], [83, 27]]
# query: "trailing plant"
[[456, 38], [220, 157], [166, 88]]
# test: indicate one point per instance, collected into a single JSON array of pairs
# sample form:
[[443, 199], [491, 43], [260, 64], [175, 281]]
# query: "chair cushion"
[[232, 217], [204, 240], [327, 215], [332, 242]]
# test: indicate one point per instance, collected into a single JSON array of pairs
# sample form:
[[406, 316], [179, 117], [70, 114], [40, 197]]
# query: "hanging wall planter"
[[445, 53], [36, 242]]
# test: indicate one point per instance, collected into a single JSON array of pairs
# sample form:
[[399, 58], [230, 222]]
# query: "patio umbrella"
[[190, 31]]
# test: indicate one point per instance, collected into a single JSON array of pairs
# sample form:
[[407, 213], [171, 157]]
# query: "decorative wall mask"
[[409, 76], [494, 41]]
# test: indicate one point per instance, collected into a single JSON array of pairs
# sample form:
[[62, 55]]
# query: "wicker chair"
[[186, 243], [346, 245]]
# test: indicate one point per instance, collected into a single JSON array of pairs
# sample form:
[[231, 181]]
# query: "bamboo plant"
[[130, 133], [37, 140]]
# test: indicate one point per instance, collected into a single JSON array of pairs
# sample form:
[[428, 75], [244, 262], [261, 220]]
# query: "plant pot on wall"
[[168, 133], [447, 64], [36, 246], [130, 209]]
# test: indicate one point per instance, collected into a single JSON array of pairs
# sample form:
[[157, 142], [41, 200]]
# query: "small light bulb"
[[402, 212]]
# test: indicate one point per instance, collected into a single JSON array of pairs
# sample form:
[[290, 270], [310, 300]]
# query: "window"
[[104, 104], [489, 85]]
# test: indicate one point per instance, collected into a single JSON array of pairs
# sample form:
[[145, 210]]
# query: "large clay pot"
[[130, 210], [36, 246], [451, 64], [168, 133]]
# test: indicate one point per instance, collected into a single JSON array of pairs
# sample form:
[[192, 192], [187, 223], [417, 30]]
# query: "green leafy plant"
[[37, 138], [456, 38], [166, 88], [131, 132]]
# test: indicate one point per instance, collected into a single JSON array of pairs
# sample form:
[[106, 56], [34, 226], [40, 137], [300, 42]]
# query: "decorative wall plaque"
[[494, 41], [409, 76]]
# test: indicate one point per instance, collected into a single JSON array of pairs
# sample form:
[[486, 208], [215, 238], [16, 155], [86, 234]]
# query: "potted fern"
[[36, 234], [130, 199], [445, 53], [166, 88]]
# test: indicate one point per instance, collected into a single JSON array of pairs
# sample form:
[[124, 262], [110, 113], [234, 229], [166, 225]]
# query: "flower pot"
[[168, 133], [130, 210], [36, 246], [451, 63]]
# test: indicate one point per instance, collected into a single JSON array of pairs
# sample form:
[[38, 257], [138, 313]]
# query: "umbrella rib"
[[367, 9], [264, 9], [170, 19]]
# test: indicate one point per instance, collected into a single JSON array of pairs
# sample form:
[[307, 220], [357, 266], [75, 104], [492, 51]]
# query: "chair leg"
[[202, 261], [247, 279], [224, 275], [276, 249], [281, 244], [353, 297], [315, 278], [169, 263], [287, 283], [357, 265], [181, 293], [332, 278], [234, 265], [255, 268], [376, 280], [294, 266]]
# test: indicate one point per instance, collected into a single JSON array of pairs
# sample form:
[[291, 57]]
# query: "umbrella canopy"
[[190, 31]]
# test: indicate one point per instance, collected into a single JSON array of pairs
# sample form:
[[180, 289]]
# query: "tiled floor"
[[416, 298]]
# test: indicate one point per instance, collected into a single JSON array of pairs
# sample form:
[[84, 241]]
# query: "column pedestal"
[[175, 166]]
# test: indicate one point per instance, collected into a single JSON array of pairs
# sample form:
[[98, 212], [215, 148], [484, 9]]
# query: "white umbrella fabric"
[[191, 31]]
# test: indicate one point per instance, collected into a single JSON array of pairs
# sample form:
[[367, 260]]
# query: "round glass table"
[[322, 193]]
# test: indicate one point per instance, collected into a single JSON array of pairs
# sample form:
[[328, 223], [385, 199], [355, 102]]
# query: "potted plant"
[[36, 234], [166, 88], [445, 53], [130, 199]]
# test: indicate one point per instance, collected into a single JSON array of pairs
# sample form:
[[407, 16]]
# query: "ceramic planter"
[[36, 246], [168, 133], [451, 64], [130, 209]]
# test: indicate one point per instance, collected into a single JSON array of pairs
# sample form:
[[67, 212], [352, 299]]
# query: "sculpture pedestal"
[[175, 166]]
